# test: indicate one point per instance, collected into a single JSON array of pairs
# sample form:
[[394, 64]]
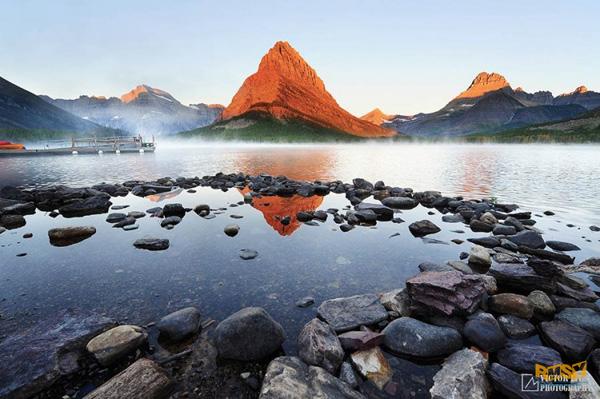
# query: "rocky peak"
[[376, 117], [141, 90], [484, 83], [581, 90]]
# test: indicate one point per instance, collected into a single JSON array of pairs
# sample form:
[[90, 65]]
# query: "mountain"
[[490, 104], [377, 117], [144, 110], [580, 96], [286, 90], [23, 110]]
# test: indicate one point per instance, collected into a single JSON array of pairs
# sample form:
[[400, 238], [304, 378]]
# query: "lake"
[[202, 267]]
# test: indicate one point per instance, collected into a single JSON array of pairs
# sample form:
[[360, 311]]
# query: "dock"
[[86, 146]]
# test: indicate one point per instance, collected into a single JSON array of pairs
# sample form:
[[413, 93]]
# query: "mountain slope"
[[285, 87], [580, 96], [23, 110], [144, 110]]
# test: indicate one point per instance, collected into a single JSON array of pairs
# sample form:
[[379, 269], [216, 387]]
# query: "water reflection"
[[478, 179]]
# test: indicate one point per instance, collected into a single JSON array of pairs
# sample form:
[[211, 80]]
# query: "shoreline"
[[484, 300]]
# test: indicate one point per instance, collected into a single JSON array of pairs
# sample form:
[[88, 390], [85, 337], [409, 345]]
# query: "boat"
[[86, 145]]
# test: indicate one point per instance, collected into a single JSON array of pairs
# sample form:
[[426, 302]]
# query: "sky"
[[401, 56]]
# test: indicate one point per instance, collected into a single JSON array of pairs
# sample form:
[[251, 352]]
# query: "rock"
[[542, 305], [169, 221], [434, 267], [544, 254], [347, 375], [2, 229], [305, 302], [345, 314], [488, 242], [89, 206], [479, 256], [572, 342], [591, 262], [561, 303], [509, 384], [304, 216], [11, 222], [382, 212], [136, 214], [562, 246], [462, 376], [116, 343], [453, 218], [152, 244], [173, 210], [423, 228], [248, 254], [249, 334], [509, 303], [488, 218], [352, 341], [484, 331], [412, 337], [288, 377], [461, 266], [491, 287], [594, 363], [115, 217], [231, 230], [528, 238], [180, 324], [520, 278], [37, 357], [128, 221], [592, 390], [506, 258], [478, 226], [65, 236], [585, 294], [502, 230], [365, 216], [144, 379], [447, 293], [346, 228], [516, 328], [399, 202], [522, 358], [319, 346], [372, 365], [594, 228], [131, 227], [587, 319], [396, 301]]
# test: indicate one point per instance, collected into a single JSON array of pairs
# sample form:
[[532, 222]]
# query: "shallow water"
[[202, 267]]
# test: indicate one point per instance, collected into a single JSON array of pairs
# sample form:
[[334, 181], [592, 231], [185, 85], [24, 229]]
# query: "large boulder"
[[541, 303], [528, 238], [290, 378], [508, 303], [412, 337], [319, 346], [249, 334], [88, 206], [572, 342], [587, 319], [485, 332], [448, 293], [116, 343], [344, 314], [522, 358], [180, 324], [462, 376], [61, 237], [37, 357], [521, 278], [479, 256]]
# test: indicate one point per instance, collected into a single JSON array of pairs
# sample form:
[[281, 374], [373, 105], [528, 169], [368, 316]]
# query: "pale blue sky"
[[404, 57]]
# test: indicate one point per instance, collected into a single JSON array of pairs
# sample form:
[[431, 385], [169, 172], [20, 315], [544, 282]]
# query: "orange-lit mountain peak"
[[376, 116], [145, 89], [581, 90], [286, 87], [484, 83]]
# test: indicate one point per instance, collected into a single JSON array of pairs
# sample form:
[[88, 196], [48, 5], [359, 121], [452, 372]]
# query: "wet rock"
[[487, 242], [502, 230], [115, 217], [346, 228], [304, 216], [89, 206], [522, 358], [289, 377], [36, 358], [594, 228], [453, 219], [128, 221], [562, 302], [173, 210], [516, 328], [136, 214], [591, 262], [305, 302], [528, 238], [319, 346], [572, 342], [509, 384], [544, 254], [249, 334], [2, 229], [434, 267], [412, 337], [562, 246], [152, 244], [372, 365], [584, 294], [12, 221], [506, 258], [347, 375], [396, 301], [541, 303], [485, 332], [461, 266], [508, 303], [131, 227], [116, 343], [180, 324], [169, 221], [399, 202], [423, 228], [381, 212], [447, 293], [480, 227], [353, 341], [488, 218], [462, 376], [520, 278], [231, 230], [345, 314], [61, 237], [16, 208], [248, 254], [143, 379], [479, 256], [587, 319]]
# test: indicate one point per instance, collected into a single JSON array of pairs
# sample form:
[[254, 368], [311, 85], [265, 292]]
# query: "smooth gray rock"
[[61, 237], [412, 337], [180, 324], [319, 346], [116, 343], [249, 334], [528, 238], [562, 246], [572, 342], [541, 303], [396, 301], [508, 303], [587, 319], [89, 206], [115, 217], [399, 202], [485, 332], [462, 376], [479, 256], [290, 378], [231, 230], [344, 314], [248, 254], [434, 267], [152, 244], [169, 221], [422, 228], [522, 358]]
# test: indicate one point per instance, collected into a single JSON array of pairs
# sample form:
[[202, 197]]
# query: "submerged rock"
[[10, 222], [319, 346], [65, 236], [423, 228], [249, 334], [88, 206], [152, 244], [180, 324], [344, 314], [248, 254], [462, 376], [412, 337], [116, 343]]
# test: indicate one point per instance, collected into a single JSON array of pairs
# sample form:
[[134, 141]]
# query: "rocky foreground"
[[478, 323]]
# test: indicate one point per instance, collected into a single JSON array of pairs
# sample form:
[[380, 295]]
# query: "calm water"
[[107, 274]]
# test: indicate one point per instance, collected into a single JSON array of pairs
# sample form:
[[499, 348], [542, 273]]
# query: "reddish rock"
[[360, 340]]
